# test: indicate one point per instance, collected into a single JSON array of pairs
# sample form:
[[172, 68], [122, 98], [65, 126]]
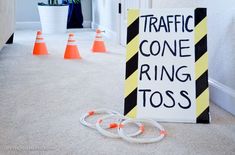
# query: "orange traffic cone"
[[98, 45], [40, 46], [71, 51]]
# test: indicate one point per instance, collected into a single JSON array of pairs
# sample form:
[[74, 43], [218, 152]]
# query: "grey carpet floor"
[[42, 98]]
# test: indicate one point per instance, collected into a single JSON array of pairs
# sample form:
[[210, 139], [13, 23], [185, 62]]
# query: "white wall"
[[27, 13], [221, 43], [26, 10], [86, 10]]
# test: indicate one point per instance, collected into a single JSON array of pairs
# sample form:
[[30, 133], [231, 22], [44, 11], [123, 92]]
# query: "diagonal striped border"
[[201, 66], [131, 81]]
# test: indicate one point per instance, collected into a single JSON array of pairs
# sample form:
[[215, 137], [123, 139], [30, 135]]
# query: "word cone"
[[98, 45], [40, 46], [71, 51]]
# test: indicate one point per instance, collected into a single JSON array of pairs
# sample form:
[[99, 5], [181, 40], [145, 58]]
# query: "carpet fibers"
[[42, 98]]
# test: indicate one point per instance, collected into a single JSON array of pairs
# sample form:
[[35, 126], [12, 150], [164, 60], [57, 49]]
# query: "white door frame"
[[122, 18], [119, 3]]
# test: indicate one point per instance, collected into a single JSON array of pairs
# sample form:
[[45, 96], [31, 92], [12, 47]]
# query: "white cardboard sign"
[[166, 66]]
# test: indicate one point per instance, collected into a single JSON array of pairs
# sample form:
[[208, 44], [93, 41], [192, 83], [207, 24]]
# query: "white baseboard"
[[112, 35], [37, 25], [222, 95], [94, 25]]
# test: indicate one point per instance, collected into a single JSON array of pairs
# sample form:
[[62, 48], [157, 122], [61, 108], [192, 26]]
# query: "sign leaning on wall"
[[167, 65]]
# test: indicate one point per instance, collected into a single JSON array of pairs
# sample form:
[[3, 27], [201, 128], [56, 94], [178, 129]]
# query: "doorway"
[[123, 6]]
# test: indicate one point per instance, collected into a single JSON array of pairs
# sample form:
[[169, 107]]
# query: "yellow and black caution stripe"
[[201, 66], [131, 79]]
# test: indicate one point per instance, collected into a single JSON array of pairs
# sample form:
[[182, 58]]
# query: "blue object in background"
[[75, 17]]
